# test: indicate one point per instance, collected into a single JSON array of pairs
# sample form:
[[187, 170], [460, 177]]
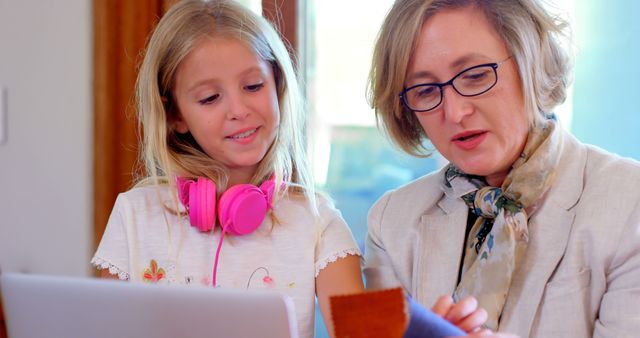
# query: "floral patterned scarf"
[[499, 237]]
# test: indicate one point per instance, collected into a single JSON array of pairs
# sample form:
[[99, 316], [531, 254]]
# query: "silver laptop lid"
[[63, 307]]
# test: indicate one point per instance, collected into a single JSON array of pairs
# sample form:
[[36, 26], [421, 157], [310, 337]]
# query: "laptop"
[[63, 307]]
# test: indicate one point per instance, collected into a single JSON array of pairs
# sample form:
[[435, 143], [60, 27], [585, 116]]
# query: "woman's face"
[[482, 135]]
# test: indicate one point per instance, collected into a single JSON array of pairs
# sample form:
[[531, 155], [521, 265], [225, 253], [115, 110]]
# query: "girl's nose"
[[236, 107]]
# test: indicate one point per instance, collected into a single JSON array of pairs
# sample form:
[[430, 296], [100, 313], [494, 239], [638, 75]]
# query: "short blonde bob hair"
[[532, 35], [167, 153]]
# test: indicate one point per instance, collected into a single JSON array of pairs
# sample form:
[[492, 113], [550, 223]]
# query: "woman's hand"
[[486, 333], [465, 314]]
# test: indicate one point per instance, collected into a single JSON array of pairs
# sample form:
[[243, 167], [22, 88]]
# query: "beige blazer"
[[580, 276]]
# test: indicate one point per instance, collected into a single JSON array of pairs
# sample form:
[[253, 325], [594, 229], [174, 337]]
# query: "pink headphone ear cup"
[[242, 209], [202, 204], [183, 184], [268, 187]]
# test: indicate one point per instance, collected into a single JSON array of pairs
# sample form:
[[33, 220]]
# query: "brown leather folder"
[[371, 314]]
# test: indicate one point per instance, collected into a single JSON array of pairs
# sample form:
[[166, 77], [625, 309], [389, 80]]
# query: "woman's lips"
[[470, 139]]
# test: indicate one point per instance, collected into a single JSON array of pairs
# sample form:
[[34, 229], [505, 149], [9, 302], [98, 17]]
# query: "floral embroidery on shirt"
[[266, 280], [207, 281], [152, 274]]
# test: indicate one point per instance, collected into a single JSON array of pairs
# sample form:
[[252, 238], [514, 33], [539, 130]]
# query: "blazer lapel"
[[549, 234], [441, 241], [549, 230]]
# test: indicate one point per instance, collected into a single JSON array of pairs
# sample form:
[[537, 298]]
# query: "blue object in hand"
[[423, 323]]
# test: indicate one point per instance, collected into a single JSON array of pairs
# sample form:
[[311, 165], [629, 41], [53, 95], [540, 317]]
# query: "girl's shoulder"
[[146, 198], [321, 205], [319, 215], [147, 191]]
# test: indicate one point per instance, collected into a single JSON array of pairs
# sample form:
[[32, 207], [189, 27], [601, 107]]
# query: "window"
[[255, 5], [351, 159]]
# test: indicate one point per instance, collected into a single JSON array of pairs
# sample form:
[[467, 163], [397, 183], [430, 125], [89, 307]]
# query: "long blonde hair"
[[531, 34], [167, 153]]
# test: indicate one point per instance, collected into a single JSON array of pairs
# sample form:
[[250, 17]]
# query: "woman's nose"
[[456, 107]]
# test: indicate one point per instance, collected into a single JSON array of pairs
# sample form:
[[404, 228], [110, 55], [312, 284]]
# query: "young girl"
[[222, 121]]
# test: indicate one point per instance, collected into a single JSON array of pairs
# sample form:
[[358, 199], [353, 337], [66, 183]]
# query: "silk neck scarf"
[[499, 237]]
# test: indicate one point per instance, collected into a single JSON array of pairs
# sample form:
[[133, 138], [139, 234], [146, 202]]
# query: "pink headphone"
[[241, 208]]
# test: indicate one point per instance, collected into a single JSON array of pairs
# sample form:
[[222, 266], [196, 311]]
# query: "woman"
[[543, 230]]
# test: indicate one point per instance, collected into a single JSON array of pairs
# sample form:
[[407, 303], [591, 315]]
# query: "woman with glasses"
[[542, 230]]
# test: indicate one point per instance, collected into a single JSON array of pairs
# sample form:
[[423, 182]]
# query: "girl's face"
[[482, 135], [226, 97]]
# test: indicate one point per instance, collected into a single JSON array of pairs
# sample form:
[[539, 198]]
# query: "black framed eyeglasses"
[[472, 81]]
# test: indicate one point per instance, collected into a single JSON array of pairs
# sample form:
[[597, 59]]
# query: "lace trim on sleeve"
[[342, 254], [101, 264]]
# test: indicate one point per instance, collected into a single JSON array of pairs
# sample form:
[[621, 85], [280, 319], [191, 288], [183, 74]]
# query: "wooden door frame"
[[284, 16]]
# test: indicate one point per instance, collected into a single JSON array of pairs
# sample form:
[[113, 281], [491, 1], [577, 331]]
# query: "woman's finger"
[[442, 305], [462, 309], [474, 321]]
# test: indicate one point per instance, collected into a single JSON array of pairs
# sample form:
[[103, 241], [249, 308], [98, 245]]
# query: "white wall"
[[46, 164]]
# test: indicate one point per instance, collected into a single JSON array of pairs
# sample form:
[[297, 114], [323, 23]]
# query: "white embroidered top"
[[147, 242]]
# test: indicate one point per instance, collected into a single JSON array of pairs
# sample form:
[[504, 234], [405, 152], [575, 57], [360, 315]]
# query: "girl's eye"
[[254, 87], [209, 99]]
